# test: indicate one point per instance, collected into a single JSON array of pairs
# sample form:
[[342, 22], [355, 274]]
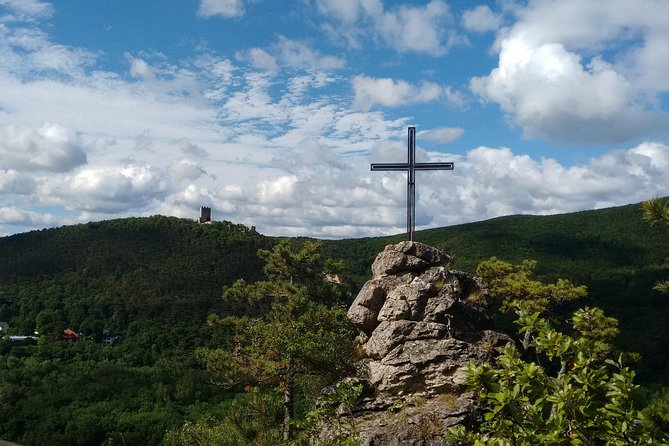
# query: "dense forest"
[[152, 283]]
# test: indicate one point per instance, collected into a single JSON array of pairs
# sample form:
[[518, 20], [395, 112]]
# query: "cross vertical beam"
[[410, 168], [411, 182]]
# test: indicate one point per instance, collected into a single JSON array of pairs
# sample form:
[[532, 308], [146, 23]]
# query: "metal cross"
[[410, 167]]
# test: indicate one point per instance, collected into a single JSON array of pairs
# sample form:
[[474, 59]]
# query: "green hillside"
[[120, 270], [173, 269], [612, 251], [153, 281]]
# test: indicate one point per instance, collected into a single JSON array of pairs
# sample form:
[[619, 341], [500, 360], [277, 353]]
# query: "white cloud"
[[327, 196], [299, 55], [28, 50], [225, 8], [112, 189], [139, 68], [192, 149], [21, 217], [217, 73], [443, 135], [14, 182], [25, 10], [498, 182], [290, 53], [51, 148], [258, 58], [388, 92], [421, 29], [350, 11], [417, 29], [185, 169], [582, 82], [481, 19]]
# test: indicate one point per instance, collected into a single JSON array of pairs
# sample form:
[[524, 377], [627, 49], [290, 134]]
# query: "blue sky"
[[270, 112]]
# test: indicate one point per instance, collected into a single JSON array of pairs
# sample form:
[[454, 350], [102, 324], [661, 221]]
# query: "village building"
[[109, 338], [22, 340], [70, 336]]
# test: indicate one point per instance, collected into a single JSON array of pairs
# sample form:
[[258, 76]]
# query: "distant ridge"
[[166, 268]]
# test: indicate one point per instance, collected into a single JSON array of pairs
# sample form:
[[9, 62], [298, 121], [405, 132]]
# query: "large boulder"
[[421, 324]]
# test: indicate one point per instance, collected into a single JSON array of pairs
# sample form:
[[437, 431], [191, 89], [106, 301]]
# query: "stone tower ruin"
[[205, 216]]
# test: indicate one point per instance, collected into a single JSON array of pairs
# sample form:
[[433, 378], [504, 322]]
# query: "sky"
[[270, 112]]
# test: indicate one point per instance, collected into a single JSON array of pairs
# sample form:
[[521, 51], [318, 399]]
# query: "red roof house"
[[70, 336]]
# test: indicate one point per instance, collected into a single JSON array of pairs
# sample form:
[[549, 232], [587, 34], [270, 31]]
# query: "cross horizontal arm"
[[433, 166], [390, 166], [417, 166]]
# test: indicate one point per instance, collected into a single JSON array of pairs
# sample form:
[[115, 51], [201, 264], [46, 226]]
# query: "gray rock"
[[407, 256], [386, 337], [363, 318], [364, 311], [421, 325]]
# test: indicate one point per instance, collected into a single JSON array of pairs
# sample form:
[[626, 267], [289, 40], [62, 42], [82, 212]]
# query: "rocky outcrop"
[[421, 324]]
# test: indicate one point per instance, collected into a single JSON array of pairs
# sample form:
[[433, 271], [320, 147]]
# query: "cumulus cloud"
[[21, 217], [579, 83], [49, 148], [185, 169], [388, 92], [285, 152], [405, 28], [442, 135], [225, 8], [481, 19], [343, 199], [113, 189], [490, 182], [14, 182], [497, 182]]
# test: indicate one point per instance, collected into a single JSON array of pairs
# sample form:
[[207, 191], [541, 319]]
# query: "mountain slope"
[[106, 274], [612, 251]]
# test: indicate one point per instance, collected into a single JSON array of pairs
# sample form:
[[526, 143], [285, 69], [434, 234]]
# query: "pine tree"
[[304, 331]]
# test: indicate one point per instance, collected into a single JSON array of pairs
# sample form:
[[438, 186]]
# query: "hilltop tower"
[[205, 216]]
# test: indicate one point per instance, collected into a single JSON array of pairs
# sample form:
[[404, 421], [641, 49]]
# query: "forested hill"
[[153, 281], [108, 274], [102, 275], [613, 251]]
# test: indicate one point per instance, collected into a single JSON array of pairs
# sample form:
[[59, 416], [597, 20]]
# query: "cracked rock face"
[[420, 325]]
